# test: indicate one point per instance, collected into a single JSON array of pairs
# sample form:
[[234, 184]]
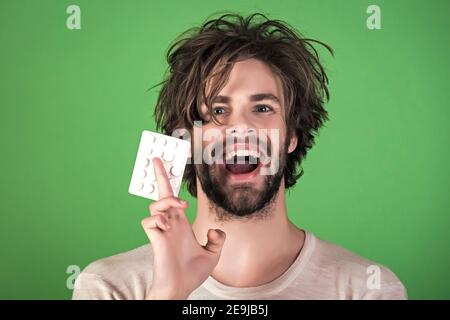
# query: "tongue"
[[241, 168]]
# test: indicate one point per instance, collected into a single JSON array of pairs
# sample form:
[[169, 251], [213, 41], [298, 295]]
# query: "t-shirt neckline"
[[268, 289]]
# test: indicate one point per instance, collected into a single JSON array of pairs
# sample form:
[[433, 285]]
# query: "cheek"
[[210, 133], [270, 122], [277, 128]]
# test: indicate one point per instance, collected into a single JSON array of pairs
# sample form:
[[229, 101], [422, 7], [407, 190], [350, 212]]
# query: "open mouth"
[[242, 164]]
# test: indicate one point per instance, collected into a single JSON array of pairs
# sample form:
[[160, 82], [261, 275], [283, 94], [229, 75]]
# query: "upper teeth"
[[241, 153]]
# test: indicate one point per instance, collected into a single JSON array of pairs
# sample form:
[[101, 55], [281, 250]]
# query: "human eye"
[[218, 110], [263, 108]]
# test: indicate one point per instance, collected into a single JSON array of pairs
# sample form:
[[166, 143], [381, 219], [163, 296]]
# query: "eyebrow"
[[253, 97]]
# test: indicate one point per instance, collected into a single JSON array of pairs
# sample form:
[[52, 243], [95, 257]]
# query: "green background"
[[74, 103]]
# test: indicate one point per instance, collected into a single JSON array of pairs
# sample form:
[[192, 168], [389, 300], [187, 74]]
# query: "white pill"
[[139, 186], [168, 155], [160, 141], [175, 171], [157, 152], [150, 138], [171, 144], [149, 188]]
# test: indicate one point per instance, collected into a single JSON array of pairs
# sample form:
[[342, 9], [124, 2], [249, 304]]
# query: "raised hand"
[[180, 263]]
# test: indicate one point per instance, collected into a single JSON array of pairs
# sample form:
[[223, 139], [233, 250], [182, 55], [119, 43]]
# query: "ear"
[[293, 142]]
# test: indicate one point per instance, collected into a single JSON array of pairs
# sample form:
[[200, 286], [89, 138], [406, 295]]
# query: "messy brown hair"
[[209, 52]]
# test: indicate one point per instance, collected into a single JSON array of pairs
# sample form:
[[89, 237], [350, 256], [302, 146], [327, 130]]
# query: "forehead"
[[252, 76]]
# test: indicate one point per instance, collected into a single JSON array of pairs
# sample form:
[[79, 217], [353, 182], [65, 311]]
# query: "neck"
[[256, 250]]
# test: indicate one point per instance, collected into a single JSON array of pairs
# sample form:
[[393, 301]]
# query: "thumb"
[[216, 239]]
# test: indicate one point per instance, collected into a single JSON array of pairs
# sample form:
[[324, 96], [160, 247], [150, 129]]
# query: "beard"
[[240, 201]]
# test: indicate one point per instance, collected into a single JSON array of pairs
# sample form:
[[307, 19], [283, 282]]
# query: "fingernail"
[[183, 202]]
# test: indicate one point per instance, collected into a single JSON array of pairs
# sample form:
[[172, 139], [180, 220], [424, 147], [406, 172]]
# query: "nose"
[[241, 130], [240, 134], [239, 124]]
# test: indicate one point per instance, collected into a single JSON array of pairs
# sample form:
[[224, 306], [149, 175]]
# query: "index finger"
[[164, 187]]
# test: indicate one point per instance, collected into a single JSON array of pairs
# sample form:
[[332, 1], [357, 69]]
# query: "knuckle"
[[173, 200]]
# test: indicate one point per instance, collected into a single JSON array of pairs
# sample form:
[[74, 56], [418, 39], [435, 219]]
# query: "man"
[[238, 77]]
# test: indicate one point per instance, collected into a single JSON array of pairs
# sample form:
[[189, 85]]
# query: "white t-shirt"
[[321, 271]]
